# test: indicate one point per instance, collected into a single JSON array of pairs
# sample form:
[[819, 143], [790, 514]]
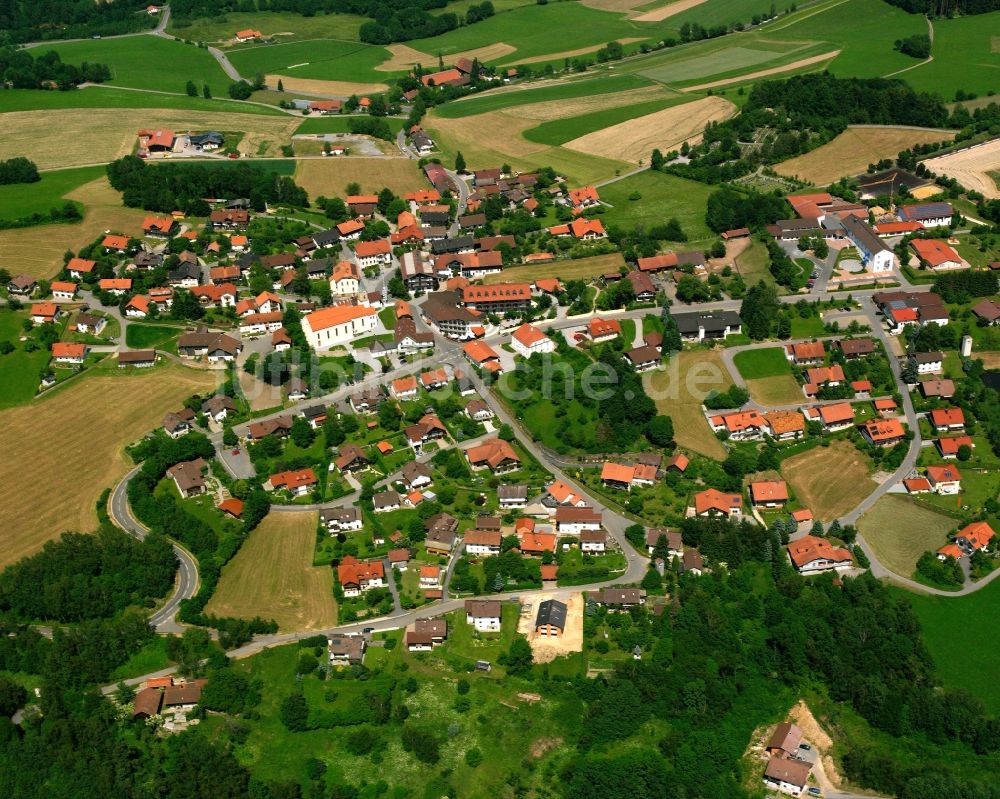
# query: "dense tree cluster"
[[963, 286], [20, 70], [88, 576], [18, 170], [24, 21], [946, 8], [728, 209], [168, 187], [918, 46]]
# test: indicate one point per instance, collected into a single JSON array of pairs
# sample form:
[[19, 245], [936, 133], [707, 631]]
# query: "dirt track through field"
[[763, 73], [660, 14], [634, 139], [61, 452], [404, 57], [38, 251], [323, 88], [970, 167], [70, 137], [272, 576]]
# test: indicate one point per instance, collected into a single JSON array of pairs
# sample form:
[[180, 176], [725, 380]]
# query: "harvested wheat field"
[[322, 88], [763, 73], [330, 177], [830, 481], [51, 487], [272, 576], [404, 57], [854, 149], [91, 138], [635, 139], [38, 251], [971, 167], [667, 11]]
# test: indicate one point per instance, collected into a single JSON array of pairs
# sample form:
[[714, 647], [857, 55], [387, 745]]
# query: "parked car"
[[814, 791], [805, 747]]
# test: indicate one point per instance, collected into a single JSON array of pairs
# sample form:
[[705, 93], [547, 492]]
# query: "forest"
[[20, 70], [946, 8], [169, 187], [25, 21]]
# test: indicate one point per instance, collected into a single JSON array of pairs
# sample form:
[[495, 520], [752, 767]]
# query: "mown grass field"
[[661, 197], [767, 362], [113, 98], [960, 633], [318, 59], [853, 150], [20, 371], [148, 62], [284, 26], [52, 487], [140, 336], [21, 200], [830, 481], [774, 391], [339, 124], [576, 269], [330, 177], [678, 391], [899, 531], [965, 57], [272, 576]]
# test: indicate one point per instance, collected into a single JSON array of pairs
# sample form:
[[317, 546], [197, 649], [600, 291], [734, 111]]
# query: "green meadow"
[[661, 197], [317, 59], [339, 124], [284, 25], [148, 62], [110, 97], [560, 131], [21, 200]]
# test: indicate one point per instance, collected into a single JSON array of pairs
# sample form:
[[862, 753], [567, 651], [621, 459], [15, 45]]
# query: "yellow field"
[[853, 150], [679, 391], [667, 11], [324, 87], [830, 481], [404, 57], [634, 139], [272, 576], [899, 531], [777, 390], [38, 251], [329, 177], [578, 269], [62, 451], [65, 138], [971, 167]]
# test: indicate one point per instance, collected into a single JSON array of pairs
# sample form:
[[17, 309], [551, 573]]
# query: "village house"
[[593, 541], [785, 425], [482, 542], [213, 346], [883, 432], [429, 428], [944, 479], [339, 520], [387, 501], [338, 324], [974, 537], [929, 362], [63, 289], [947, 420], [430, 576], [618, 599], [373, 253], [528, 340], [935, 255], [550, 621], [644, 358], [805, 352], [483, 356], [699, 325], [297, 482], [346, 650], [987, 310], [415, 475], [483, 614], [189, 477], [69, 353], [424, 634], [838, 416], [812, 555], [711, 502], [855, 347], [787, 775], [441, 530], [278, 426], [675, 544], [948, 446], [177, 424], [79, 268], [356, 577], [512, 497], [741, 425], [573, 521], [601, 330], [561, 494], [478, 410], [768, 493]]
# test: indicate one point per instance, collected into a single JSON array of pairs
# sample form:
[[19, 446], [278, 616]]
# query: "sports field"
[[53, 478], [830, 481], [272, 576], [67, 138], [329, 177], [661, 197], [38, 251], [899, 531], [853, 150], [961, 634], [148, 62], [576, 269], [679, 390], [20, 200]]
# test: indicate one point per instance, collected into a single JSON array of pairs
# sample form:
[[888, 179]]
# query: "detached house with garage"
[[356, 576], [812, 555], [717, 503], [483, 614], [573, 521]]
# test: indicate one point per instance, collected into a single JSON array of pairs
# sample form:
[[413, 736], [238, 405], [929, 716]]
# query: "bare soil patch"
[[38, 251], [52, 484], [404, 56], [540, 746], [971, 167], [830, 481], [329, 177], [546, 650], [667, 11], [67, 137], [272, 576], [763, 73], [852, 151], [635, 139], [325, 88]]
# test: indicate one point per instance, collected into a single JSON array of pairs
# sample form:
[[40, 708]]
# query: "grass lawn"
[[662, 197], [111, 97], [679, 391], [21, 200], [978, 486], [272, 576], [152, 657], [777, 390], [148, 62], [829, 481], [144, 336], [754, 264], [20, 371], [956, 631], [319, 59], [220, 28], [769, 362], [811, 327], [339, 124], [900, 530], [575, 269]]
